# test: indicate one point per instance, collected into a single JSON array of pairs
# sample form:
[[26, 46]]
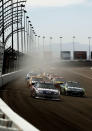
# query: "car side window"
[[36, 85]]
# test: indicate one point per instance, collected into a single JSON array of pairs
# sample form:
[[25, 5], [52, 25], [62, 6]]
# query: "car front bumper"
[[48, 96], [77, 93]]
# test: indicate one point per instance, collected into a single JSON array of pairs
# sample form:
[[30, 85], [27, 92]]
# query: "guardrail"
[[9, 120]]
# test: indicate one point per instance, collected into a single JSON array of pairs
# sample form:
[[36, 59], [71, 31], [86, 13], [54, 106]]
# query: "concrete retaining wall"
[[4, 79]]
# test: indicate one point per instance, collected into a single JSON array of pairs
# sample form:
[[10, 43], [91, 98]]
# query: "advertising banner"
[[80, 55]]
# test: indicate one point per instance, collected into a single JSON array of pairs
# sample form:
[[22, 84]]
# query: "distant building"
[[65, 55]]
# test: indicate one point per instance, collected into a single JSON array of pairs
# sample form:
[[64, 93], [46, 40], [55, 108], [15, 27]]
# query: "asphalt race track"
[[69, 114]]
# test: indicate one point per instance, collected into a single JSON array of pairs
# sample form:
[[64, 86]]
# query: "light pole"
[[73, 45], [12, 26], [32, 36], [27, 32], [35, 40], [60, 44], [17, 30], [51, 42], [24, 31], [43, 41], [89, 48], [28, 35], [38, 41], [21, 28]]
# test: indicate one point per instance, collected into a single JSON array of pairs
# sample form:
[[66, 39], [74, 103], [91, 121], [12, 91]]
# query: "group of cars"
[[51, 86]]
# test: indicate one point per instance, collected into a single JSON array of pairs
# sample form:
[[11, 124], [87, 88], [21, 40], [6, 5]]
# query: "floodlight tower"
[[22, 6], [61, 43], [27, 33], [51, 42], [43, 41], [25, 30], [89, 48], [73, 45], [38, 41]]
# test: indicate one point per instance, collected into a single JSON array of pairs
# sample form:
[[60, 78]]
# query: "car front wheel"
[[33, 94]]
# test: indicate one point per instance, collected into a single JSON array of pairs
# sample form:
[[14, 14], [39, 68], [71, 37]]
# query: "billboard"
[[80, 55], [65, 55]]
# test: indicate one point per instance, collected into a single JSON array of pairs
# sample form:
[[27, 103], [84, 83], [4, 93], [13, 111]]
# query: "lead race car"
[[45, 91], [72, 88]]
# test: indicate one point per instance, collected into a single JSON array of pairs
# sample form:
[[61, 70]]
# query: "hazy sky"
[[62, 18]]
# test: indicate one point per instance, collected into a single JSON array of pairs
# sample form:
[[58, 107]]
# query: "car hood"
[[51, 90], [75, 88]]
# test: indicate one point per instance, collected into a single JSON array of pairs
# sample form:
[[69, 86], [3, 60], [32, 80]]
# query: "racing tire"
[[83, 95], [65, 92], [33, 94]]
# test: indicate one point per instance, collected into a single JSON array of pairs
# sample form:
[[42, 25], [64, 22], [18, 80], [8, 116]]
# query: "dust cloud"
[[40, 61]]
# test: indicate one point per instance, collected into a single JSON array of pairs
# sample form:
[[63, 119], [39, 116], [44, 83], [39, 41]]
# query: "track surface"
[[69, 114]]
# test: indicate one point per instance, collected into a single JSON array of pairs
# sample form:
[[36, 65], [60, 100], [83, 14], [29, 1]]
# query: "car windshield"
[[47, 86], [73, 84], [37, 79], [59, 79]]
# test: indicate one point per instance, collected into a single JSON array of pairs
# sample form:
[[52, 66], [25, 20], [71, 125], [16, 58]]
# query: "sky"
[[64, 18]]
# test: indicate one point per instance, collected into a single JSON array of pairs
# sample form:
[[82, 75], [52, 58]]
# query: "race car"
[[33, 80], [72, 88], [29, 75], [50, 76], [58, 80], [45, 91]]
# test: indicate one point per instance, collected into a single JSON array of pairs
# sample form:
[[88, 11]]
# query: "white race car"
[[45, 90]]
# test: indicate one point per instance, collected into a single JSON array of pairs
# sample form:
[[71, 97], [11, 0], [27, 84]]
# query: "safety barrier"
[[9, 120], [4, 79]]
